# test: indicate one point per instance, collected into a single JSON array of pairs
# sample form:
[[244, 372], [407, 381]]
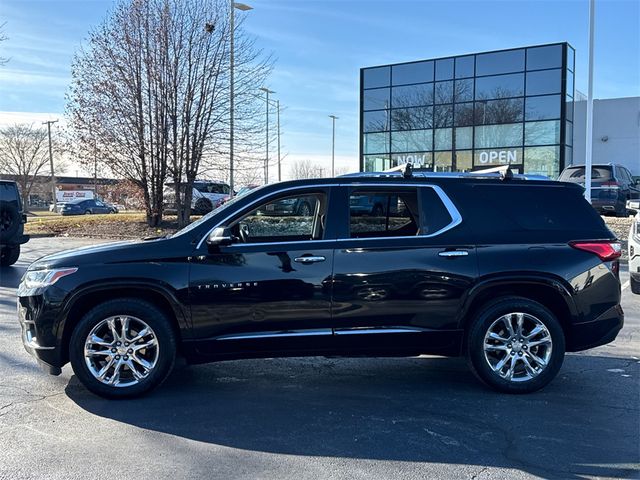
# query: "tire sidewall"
[[147, 312], [482, 322], [10, 209], [9, 255]]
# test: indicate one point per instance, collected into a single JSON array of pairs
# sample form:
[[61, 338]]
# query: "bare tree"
[[3, 37], [151, 91], [304, 169], [24, 154]]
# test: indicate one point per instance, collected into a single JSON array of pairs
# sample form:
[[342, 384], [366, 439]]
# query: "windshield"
[[576, 174]]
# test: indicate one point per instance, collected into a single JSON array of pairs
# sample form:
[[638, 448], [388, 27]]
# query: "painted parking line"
[[625, 285]]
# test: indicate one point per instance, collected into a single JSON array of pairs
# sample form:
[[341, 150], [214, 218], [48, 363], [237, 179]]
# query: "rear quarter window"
[[576, 174], [531, 214], [8, 192]]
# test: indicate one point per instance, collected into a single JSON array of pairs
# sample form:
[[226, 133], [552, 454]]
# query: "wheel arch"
[[549, 292], [86, 299]]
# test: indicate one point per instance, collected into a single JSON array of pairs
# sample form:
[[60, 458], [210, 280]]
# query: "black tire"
[[10, 221], [486, 317], [203, 206], [149, 314], [635, 286], [9, 255], [88, 212]]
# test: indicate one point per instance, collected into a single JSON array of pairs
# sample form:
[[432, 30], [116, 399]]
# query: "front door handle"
[[454, 253], [309, 259]]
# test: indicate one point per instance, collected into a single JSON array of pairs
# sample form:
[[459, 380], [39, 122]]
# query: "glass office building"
[[471, 112]]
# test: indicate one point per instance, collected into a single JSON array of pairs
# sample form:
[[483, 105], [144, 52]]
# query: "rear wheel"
[[123, 348], [9, 220], [87, 212], [635, 285], [9, 255], [515, 345]]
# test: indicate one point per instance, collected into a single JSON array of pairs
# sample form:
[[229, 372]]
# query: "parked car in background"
[[12, 220], [206, 196], [511, 282], [611, 186], [633, 206], [87, 207]]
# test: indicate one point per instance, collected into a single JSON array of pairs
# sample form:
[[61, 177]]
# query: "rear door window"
[[383, 213]]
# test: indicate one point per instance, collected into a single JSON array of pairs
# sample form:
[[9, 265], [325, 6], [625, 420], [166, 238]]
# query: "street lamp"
[[266, 161], [333, 146], [244, 8]]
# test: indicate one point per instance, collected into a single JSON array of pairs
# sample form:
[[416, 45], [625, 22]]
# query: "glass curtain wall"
[[471, 112]]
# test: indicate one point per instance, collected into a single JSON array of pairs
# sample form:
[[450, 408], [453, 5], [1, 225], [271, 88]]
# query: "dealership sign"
[[498, 157], [418, 160], [68, 195]]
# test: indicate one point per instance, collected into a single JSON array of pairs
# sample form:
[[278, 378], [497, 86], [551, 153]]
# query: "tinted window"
[[528, 213], [464, 137], [498, 135], [464, 114], [376, 121], [544, 57], [546, 81], [499, 111], [412, 73], [376, 99], [412, 118], [542, 133], [576, 174], [463, 90], [383, 213], [376, 77], [444, 92], [412, 95], [444, 69], [502, 86], [464, 66], [500, 62], [376, 142], [443, 115], [411, 141], [290, 218], [442, 139], [542, 108]]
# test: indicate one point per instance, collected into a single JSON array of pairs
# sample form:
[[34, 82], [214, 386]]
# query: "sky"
[[319, 47]]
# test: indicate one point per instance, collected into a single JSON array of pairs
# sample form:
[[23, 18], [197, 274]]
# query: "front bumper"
[[600, 331], [35, 338]]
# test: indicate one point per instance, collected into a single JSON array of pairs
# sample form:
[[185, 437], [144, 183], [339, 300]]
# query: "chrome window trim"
[[368, 331], [456, 217]]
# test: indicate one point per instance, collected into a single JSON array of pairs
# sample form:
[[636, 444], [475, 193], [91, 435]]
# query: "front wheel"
[[9, 255], [515, 345], [122, 348]]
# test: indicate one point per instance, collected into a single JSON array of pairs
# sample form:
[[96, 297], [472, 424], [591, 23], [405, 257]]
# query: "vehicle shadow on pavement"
[[415, 409]]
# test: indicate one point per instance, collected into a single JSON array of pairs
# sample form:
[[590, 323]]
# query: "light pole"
[[244, 8], [588, 157], [279, 159], [333, 146], [266, 161], [53, 178]]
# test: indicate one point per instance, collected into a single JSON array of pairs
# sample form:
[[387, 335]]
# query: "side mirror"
[[220, 237], [633, 206]]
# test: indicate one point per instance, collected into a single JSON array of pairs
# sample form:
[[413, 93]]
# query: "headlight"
[[45, 278]]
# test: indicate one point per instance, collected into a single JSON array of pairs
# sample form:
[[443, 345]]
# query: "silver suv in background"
[[206, 196]]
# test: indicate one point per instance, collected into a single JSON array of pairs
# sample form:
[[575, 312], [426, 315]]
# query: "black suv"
[[510, 273], [611, 186], [12, 220]]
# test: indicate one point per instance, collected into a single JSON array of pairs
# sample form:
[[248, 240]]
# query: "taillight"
[[611, 184], [607, 251]]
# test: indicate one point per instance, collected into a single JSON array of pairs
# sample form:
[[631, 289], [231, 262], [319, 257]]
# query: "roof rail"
[[407, 171]]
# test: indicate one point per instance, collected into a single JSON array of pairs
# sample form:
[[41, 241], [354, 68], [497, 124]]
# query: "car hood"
[[113, 252]]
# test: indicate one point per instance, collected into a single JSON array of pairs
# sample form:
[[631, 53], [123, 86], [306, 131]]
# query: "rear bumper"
[[600, 331]]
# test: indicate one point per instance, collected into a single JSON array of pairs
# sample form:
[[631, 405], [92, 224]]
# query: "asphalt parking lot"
[[315, 418]]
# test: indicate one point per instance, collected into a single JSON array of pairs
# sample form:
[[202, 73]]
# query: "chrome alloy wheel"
[[517, 346], [121, 350]]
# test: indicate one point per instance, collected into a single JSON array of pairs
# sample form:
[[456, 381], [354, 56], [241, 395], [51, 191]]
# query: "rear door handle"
[[309, 259], [454, 253]]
